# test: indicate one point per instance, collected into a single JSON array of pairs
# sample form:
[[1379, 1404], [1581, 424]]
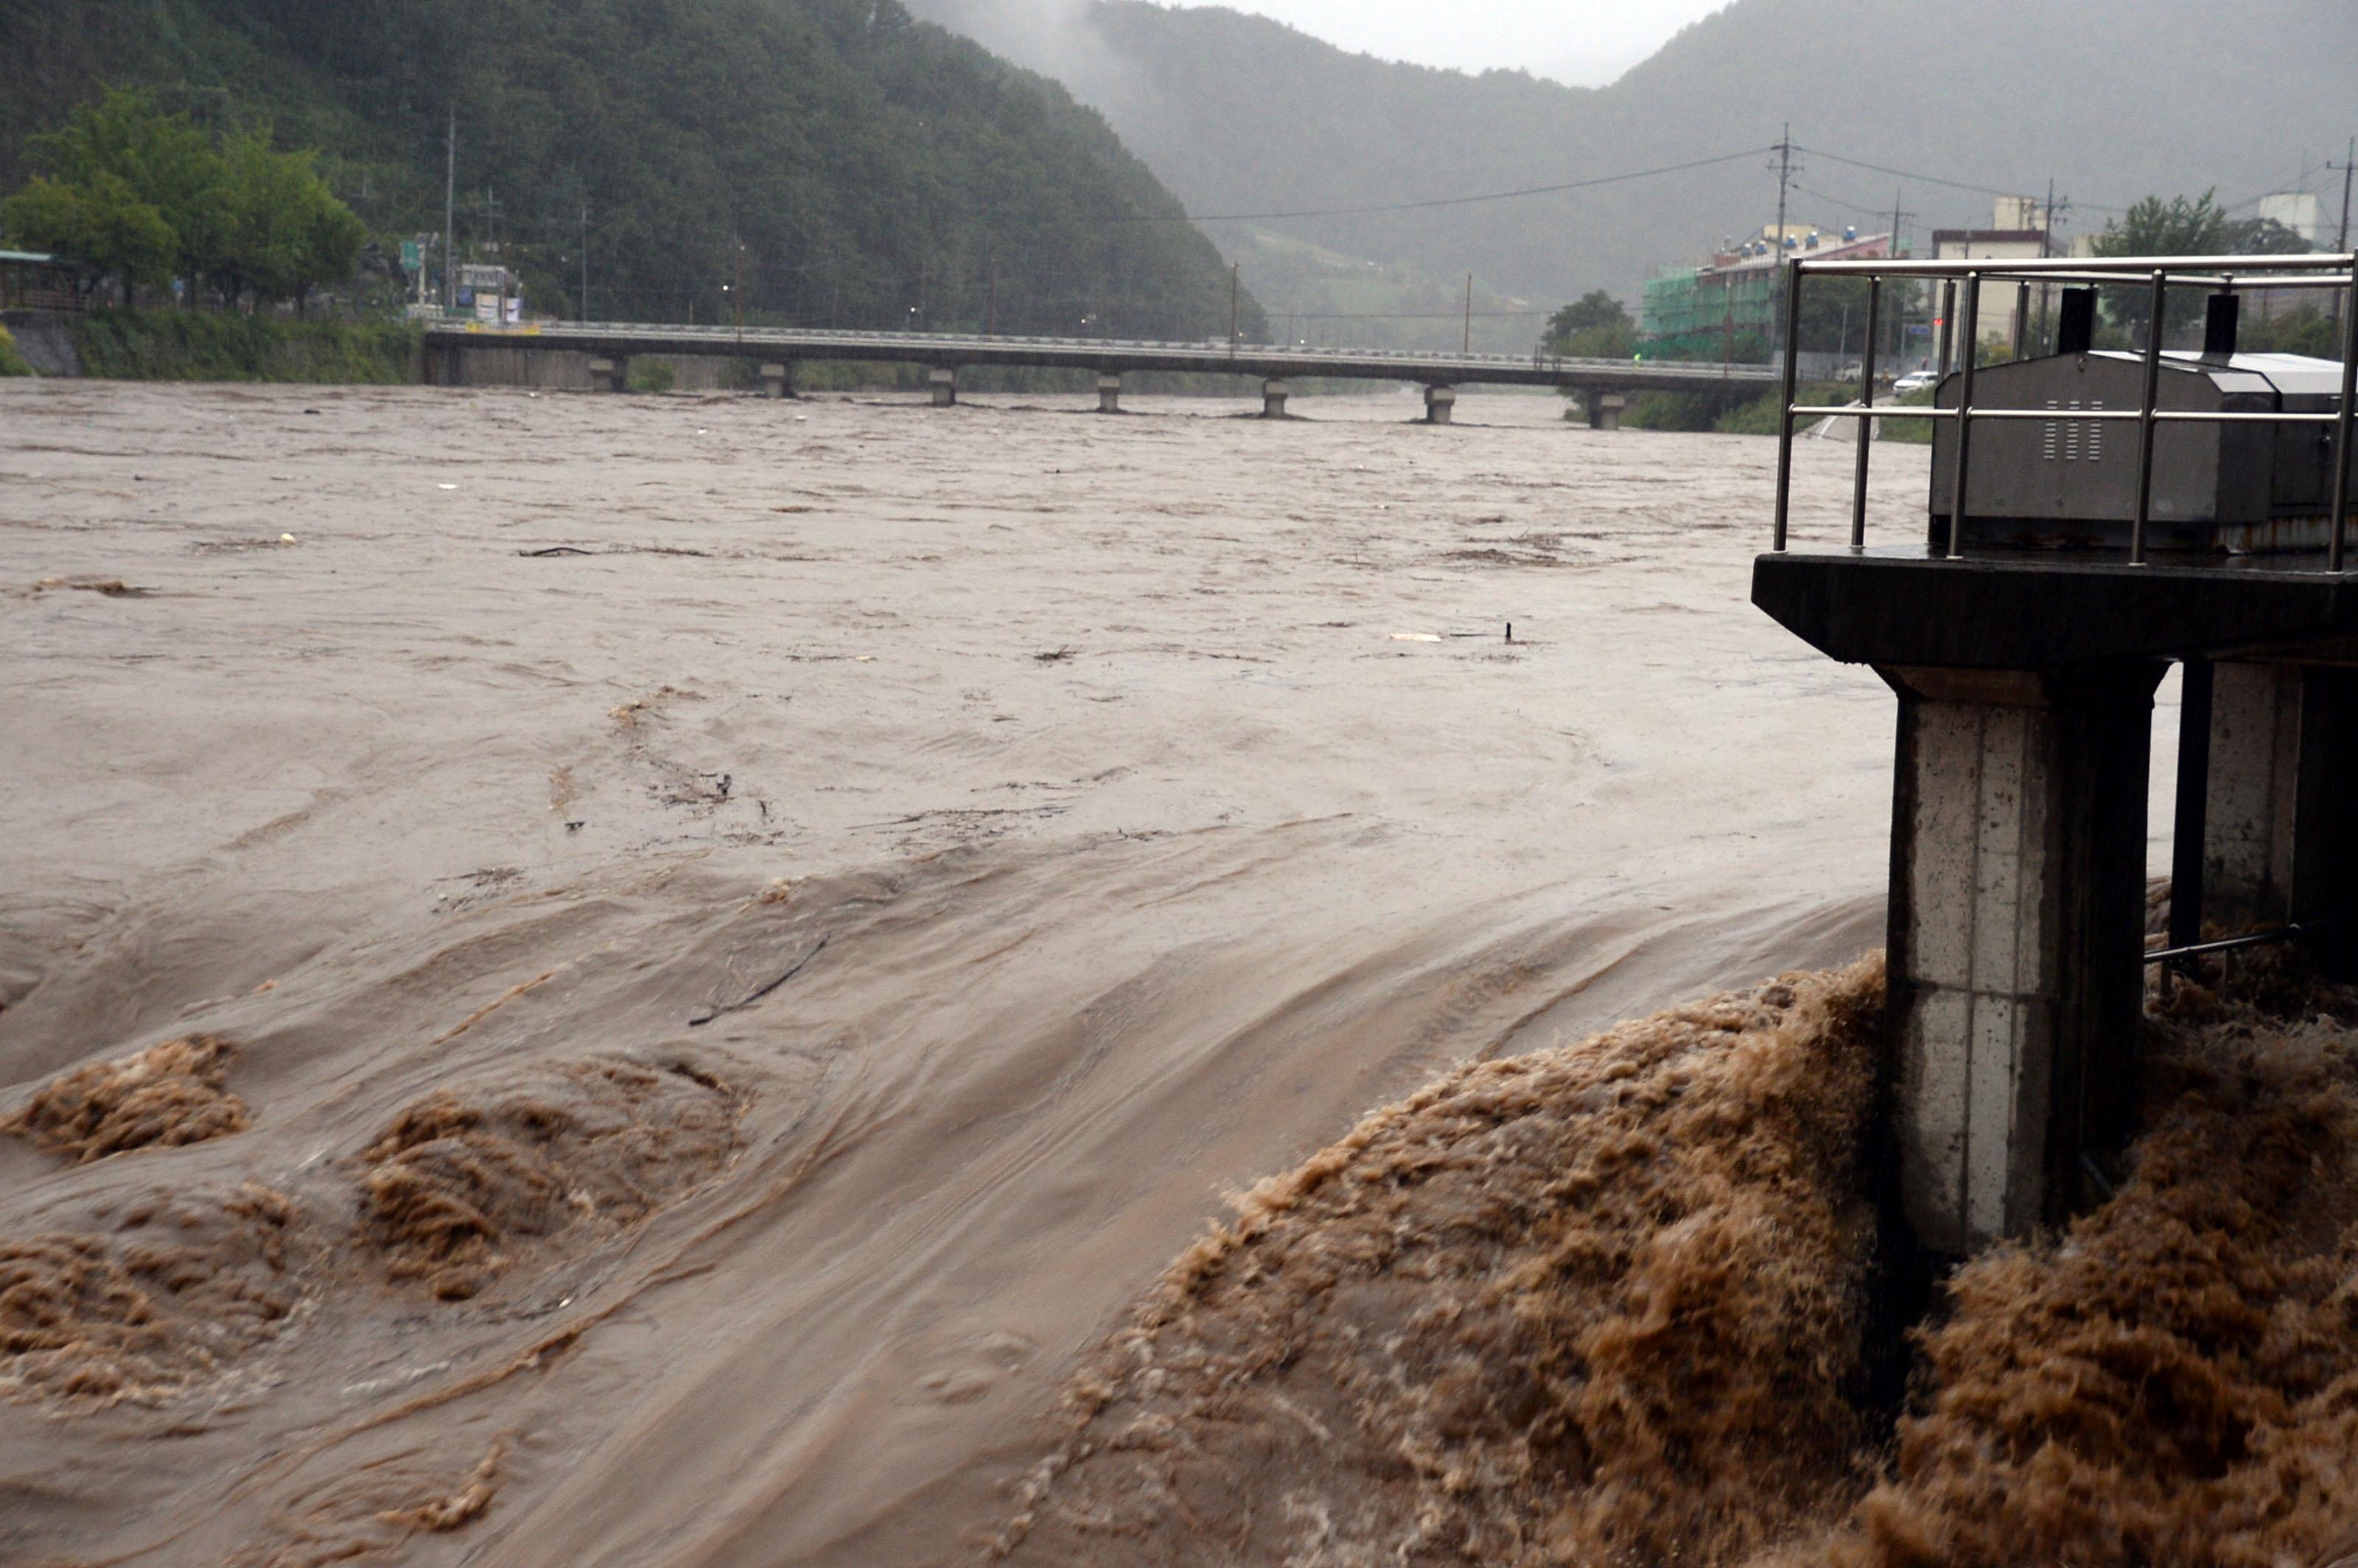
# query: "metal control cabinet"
[[2067, 483]]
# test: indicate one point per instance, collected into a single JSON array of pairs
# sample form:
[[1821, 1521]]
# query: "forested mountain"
[[852, 166], [2113, 99]]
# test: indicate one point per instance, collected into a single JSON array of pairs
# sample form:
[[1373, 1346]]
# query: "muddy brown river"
[[741, 937]]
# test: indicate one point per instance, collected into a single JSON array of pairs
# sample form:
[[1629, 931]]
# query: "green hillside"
[[851, 166]]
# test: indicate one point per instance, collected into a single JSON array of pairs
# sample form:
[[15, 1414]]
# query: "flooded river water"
[[916, 861]]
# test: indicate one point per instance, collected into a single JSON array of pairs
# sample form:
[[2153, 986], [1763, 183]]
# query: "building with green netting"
[[1727, 310]]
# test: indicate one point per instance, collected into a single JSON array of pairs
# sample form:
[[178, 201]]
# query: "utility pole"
[[451, 216], [1236, 287], [1469, 315], [1784, 180], [2046, 249], [585, 256], [1908, 301], [991, 309], [2349, 162]]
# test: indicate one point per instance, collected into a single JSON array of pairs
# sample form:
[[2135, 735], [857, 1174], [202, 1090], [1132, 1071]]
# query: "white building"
[[2018, 232]]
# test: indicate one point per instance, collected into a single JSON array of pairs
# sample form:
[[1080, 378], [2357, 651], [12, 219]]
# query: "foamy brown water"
[[1120, 852]]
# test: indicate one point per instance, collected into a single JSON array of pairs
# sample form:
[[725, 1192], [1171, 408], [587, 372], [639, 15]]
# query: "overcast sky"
[[1586, 42]]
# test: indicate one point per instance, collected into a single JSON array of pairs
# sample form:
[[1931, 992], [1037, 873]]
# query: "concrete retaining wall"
[[48, 345]]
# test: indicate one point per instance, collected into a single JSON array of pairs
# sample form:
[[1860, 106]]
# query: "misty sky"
[[1586, 42]]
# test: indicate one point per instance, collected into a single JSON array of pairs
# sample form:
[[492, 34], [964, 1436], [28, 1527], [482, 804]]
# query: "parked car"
[[1915, 381]]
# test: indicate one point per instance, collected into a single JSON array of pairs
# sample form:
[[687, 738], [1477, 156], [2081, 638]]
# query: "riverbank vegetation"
[[137, 198], [824, 162], [185, 345]]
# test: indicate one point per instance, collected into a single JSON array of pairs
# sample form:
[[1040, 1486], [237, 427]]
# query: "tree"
[[2157, 227], [101, 226], [115, 172], [128, 192], [2263, 237], [284, 232], [1594, 326]]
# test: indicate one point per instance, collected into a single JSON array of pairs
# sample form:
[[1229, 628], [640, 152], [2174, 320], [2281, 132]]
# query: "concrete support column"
[[1440, 403], [1274, 394], [1605, 409], [778, 380], [943, 384], [1108, 394], [2277, 845], [2017, 938], [610, 373]]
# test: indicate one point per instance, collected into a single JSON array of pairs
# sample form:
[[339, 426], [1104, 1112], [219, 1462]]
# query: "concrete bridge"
[[1605, 383]]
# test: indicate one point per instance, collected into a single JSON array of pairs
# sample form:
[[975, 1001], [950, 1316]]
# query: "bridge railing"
[[1963, 281], [820, 336]]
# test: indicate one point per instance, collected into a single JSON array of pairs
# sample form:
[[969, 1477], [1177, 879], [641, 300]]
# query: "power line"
[[1459, 201], [1916, 178]]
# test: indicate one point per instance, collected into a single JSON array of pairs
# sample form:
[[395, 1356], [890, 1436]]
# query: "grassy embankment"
[[181, 345], [1737, 413], [11, 362]]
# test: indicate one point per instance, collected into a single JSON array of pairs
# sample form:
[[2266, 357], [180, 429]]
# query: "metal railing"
[[2219, 274]]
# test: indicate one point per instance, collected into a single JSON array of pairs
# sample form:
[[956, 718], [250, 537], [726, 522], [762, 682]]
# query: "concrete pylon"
[[778, 380], [1274, 394], [2277, 844], [2016, 938], [610, 373], [943, 384], [1108, 394], [1440, 403], [1605, 409]]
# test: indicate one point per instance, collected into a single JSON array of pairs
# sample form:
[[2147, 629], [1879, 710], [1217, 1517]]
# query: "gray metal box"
[[2066, 483]]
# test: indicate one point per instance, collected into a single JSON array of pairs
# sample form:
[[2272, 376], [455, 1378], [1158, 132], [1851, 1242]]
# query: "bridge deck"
[[1104, 355]]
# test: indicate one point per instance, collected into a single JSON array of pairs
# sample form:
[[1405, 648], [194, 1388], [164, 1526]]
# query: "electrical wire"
[[1915, 177], [1463, 201]]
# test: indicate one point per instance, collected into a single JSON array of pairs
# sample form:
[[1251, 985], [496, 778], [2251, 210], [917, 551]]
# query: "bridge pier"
[[2016, 922], [778, 380], [2277, 846], [2018, 842], [1440, 403], [1274, 394], [943, 384], [609, 373], [1605, 409], [1108, 394]]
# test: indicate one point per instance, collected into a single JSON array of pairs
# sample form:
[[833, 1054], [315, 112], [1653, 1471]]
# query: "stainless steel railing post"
[[2344, 425], [1867, 422], [2145, 425], [1948, 326], [1785, 408], [1967, 344]]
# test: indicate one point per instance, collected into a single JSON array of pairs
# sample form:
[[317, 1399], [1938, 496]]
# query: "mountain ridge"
[[1239, 114]]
